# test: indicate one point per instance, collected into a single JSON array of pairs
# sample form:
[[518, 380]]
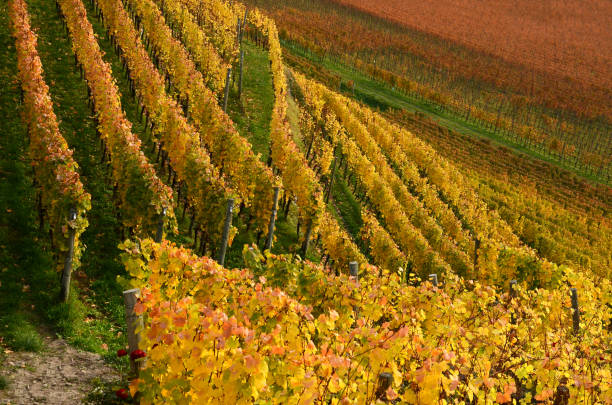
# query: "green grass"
[[252, 112], [348, 207], [3, 382], [293, 116], [19, 333], [381, 96]]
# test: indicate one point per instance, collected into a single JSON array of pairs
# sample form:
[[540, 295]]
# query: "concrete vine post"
[[270, 237], [67, 271], [134, 326], [160, 226], [227, 88], [384, 383], [354, 270], [240, 75], [226, 229], [575, 311], [306, 242], [513, 284]]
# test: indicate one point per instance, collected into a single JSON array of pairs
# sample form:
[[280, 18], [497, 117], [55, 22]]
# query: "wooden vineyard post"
[[226, 230], [354, 273], [575, 311], [67, 271], [513, 284], [476, 247], [240, 75], [354, 270], [562, 394], [227, 86], [434, 279], [134, 325], [306, 242], [270, 237], [244, 21], [384, 382], [160, 226], [331, 179]]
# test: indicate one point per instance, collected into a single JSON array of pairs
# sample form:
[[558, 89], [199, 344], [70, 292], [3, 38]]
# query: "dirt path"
[[59, 375]]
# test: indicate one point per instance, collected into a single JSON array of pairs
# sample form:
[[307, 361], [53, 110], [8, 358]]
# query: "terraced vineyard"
[[277, 241]]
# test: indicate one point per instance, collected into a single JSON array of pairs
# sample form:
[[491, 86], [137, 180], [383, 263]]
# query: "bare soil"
[[60, 374]]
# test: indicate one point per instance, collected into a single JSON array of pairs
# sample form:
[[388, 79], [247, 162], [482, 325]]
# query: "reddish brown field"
[[570, 38], [544, 66], [561, 59]]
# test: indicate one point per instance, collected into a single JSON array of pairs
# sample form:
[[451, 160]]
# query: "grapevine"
[[214, 335], [218, 20], [230, 152], [409, 205], [142, 195], [55, 170], [206, 190], [204, 55]]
